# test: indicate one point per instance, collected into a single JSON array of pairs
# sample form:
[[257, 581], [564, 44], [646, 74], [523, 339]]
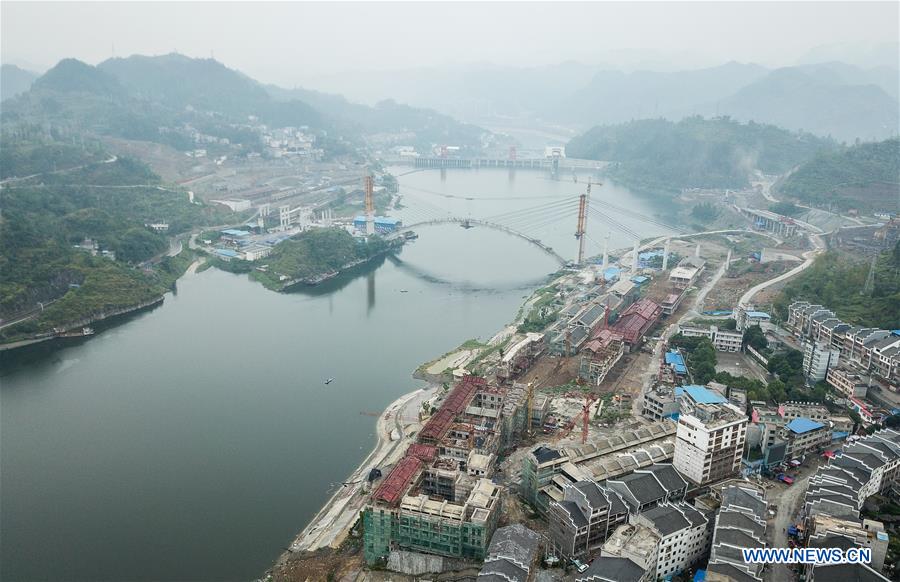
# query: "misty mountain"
[[14, 81], [658, 155], [386, 117], [178, 81], [828, 100], [862, 176], [471, 93], [615, 96], [74, 76]]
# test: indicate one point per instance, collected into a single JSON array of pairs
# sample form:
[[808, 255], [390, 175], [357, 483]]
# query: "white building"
[[684, 535], [709, 441], [723, 340], [817, 358]]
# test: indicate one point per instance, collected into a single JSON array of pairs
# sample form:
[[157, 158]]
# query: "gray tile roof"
[[498, 570], [667, 519], [846, 573], [516, 543], [742, 521], [668, 476]]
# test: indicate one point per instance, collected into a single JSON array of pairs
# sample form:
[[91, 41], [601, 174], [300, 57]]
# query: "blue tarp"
[[700, 576]]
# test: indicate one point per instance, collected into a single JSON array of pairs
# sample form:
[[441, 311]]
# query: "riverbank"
[[395, 431]]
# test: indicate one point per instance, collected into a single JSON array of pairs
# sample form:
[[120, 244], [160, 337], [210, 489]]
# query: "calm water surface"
[[192, 442]]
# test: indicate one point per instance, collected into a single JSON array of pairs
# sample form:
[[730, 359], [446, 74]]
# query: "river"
[[193, 441]]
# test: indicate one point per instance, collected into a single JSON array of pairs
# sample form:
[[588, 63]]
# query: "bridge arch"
[[491, 225]]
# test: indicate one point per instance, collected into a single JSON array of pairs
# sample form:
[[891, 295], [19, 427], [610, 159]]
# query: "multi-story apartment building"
[[710, 437], [684, 536], [723, 340], [804, 436], [868, 466], [740, 523], [636, 543], [849, 384], [581, 522], [818, 357], [660, 403]]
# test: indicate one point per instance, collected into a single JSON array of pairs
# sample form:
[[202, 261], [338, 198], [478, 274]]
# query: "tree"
[[755, 338]]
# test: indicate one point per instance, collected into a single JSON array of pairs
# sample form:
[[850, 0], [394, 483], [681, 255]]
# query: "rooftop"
[[700, 394], [804, 425]]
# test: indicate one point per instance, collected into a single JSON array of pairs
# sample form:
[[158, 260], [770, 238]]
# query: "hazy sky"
[[289, 43]]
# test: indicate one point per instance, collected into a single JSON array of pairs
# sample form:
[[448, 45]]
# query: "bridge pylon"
[[370, 204], [581, 228]]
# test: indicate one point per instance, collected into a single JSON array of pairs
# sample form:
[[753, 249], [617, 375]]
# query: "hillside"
[[14, 81], [317, 253], [864, 176], [836, 101], [157, 99], [661, 156], [837, 283], [388, 117], [178, 82], [616, 96], [46, 220]]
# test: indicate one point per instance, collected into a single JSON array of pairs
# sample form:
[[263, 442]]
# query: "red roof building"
[[393, 488], [636, 320]]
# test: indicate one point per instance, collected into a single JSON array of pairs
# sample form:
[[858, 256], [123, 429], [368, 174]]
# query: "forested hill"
[[165, 98], [864, 176], [837, 283], [663, 156], [78, 195]]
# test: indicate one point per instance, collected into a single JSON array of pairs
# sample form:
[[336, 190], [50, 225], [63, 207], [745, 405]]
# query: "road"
[[668, 332], [110, 160], [809, 258], [333, 522]]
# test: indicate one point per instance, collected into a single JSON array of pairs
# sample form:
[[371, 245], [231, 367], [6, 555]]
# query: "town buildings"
[[818, 358], [512, 555], [863, 351], [723, 340], [710, 438], [684, 536], [439, 497], [740, 523], [583, 519]]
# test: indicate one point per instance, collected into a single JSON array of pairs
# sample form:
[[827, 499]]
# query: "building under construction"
[[439, 498], [547, 471]]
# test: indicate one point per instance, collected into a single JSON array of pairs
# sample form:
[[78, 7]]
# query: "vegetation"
[[316, 253], [542, 312], [785, 208], [664, 156], [705, 212], [863, 176], [701, 357], [838, 283], [45, 217]]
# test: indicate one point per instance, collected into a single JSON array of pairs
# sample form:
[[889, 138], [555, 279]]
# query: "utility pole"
[[582, 220]]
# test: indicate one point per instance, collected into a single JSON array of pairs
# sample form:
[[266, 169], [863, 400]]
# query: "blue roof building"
[[675, 360], [227, 254], [700, 394], [233, 232], [639, 280], [803, 425], [611, 274]]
